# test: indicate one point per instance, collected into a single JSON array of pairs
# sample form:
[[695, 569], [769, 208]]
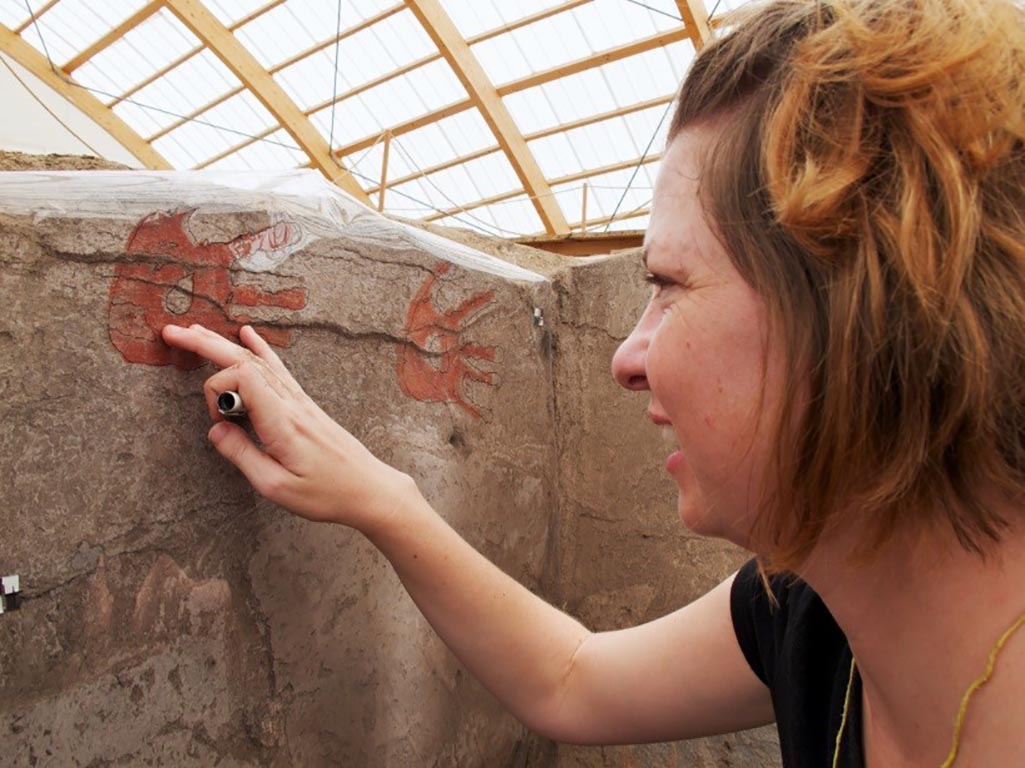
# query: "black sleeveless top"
[[799, 652]]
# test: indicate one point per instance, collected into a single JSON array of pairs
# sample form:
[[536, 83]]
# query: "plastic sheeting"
[[311, 208]]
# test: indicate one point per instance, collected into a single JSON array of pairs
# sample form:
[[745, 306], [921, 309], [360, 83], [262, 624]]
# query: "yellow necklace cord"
[[990, 665], [962, 711], [843, 719]]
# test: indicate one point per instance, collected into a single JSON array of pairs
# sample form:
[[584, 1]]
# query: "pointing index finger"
[[205, 343]]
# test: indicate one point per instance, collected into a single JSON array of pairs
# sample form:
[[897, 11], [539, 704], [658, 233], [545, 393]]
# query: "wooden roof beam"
[[640, 106], [236, 57], [294, 59], [407, 126], [462, 106], [28, 22], [695, 21], [490, 150], [609, 219], [568, 179], [380, 80], [405, 69], [587, 243], [114, 35], [562, 128], [595, 60], [266, 8], [526, 21], [468, 69], [349, 32], [32, 60]]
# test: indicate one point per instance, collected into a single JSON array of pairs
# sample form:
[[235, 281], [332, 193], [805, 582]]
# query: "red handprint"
[[192, 286], [435, 372]]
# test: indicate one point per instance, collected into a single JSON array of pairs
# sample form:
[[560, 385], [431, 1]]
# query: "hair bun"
[[900, 103]]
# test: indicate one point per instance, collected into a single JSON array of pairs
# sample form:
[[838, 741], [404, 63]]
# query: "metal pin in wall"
[[10, 593]]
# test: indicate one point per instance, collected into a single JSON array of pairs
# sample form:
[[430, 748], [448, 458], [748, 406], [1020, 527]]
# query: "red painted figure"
[[435, 364], [189, 283]]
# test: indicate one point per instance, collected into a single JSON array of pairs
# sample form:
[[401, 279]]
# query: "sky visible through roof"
[[158, 77]]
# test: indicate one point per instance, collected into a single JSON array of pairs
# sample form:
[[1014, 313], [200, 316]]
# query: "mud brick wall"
[[171, 617]]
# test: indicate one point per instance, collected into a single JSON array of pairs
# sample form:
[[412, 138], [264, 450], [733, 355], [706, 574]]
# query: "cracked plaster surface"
[[144, 556]]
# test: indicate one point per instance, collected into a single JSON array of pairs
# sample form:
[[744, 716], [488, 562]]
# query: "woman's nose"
[[628, 363]]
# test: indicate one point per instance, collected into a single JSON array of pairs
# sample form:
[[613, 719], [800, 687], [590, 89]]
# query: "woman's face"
[[700, 350]]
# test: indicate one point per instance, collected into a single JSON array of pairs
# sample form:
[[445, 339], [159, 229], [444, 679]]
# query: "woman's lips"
[[675, 460]]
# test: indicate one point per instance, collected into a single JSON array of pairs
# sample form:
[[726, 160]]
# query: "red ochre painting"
[[191, 283], [435, 366]]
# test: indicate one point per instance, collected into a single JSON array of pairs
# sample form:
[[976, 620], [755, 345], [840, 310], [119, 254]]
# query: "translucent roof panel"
[[473, 18], [510, 218], [189, 86], [478, 179], [442, 141], [565, 37], [458, 187], [13, 15], [366, 165], [420, 92], [299, 25], [195, 111], [599, 144], [410, 199], [141, 52], [272, 153], [621, 83], [223, 127], [230, 11], [607, 191], [73, 25]]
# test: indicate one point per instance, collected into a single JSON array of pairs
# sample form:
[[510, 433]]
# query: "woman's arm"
[[680, 676]]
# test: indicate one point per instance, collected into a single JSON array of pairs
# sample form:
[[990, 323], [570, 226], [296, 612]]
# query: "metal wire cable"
[[455, 216], [52, 114], [35, 23], [441, 192], [656, 10], [398, 192], [334, 85], [673, 15], [639, 165], [660, 122], [429, 206]]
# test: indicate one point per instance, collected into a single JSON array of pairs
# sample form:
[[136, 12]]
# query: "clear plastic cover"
[[303, 206]]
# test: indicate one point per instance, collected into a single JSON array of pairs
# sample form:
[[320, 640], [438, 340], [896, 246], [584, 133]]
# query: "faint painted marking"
[[193, 286]]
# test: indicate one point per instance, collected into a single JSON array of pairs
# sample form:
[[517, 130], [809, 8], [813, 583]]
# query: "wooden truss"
[[482, 95]]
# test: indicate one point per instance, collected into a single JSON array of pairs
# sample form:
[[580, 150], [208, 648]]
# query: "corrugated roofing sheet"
[[449, 158]]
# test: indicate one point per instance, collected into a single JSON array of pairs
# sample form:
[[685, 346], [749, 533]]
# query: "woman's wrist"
[[394, 507]]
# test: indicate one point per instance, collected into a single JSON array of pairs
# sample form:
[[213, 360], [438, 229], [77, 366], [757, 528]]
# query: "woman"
[[835, 339]]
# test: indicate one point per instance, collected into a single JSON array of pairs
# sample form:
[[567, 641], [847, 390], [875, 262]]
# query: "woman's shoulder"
[[778, 620], [797, 649]]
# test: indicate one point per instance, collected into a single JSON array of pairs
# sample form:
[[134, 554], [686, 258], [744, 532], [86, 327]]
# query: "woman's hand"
[[308, 463]]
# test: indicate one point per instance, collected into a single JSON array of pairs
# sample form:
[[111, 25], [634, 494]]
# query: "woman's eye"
[[656, 280], [659, 282]]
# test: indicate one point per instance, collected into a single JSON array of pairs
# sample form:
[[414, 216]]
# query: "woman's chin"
[[701, 519], [695, 515]]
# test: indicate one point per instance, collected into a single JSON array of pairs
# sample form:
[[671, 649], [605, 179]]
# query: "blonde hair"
[[869, 183]]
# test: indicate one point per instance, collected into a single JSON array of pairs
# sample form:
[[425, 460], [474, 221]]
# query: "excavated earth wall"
[[170, 616]]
